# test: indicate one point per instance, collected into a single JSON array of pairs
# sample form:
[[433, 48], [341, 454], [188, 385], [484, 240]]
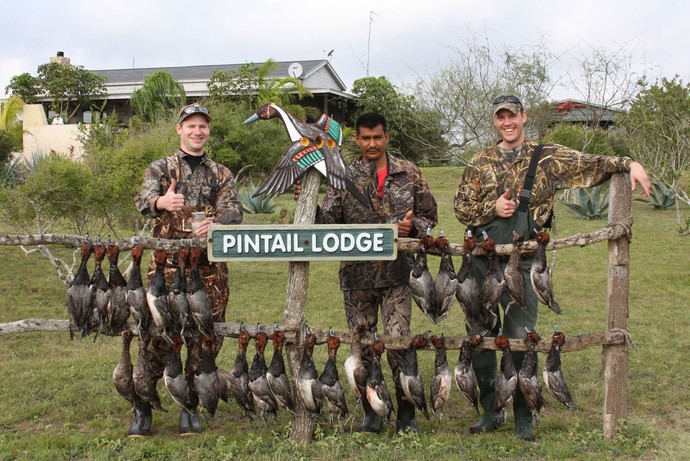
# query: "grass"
[[58, 401]]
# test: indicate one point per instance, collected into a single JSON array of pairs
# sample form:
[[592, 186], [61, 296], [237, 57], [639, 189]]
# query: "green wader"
[[513, 325]]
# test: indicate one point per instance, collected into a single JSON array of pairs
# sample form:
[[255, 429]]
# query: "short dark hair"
[[371, 120]]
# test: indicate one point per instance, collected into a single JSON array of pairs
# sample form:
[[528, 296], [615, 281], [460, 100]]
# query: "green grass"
[[58, 401]]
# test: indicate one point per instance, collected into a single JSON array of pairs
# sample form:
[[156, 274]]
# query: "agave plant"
[[592, 203], [660, 197], [255, 205]]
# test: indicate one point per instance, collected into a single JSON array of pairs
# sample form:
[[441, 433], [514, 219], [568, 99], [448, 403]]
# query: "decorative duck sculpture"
[[377, 393], [157, 296], [422, 284], [237, 381], [258, 384], [469, 293], [330, 381], [101, 300], [445, 285], [507, 378], [493, 285], [464, 374], [313, 145], [199, 303], [527, 377], [515, 280], [181, 388], [308, 387], [135, 294], [79, 298], [410, 379], [553, 375], [441, 383], [276, 375], [208, 386], [177, 293], [540, 276], [355, 370], [118, 309]]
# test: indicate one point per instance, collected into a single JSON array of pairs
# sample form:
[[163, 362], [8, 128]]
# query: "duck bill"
[[251, 119]]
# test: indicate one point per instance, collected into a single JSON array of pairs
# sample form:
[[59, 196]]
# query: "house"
[[584, 113]]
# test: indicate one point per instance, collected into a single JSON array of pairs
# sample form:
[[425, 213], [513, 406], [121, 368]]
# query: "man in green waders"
[[487, 199]]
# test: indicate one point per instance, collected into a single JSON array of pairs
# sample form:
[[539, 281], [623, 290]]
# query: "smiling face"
[[193, 131], [511, 127]]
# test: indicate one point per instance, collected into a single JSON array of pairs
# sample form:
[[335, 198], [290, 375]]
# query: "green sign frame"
[[359, 242]]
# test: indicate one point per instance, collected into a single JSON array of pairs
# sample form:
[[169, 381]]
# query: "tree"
[[24, 86], [658, 129], [10, 128], [415, 132], [159, 97], [69, 87]]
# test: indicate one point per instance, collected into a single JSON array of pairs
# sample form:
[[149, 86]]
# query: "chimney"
[[60, 58]]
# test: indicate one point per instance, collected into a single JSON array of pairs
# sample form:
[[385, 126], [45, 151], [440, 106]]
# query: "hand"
[[171, 201], [505, 208], [202, 229], [638, 174], [405, 224], [297, 190]]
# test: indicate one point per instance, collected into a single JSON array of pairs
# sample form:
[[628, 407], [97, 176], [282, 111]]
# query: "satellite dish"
[[295, 70]]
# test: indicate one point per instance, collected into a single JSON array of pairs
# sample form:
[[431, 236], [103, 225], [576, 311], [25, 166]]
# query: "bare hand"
[[505, 208], [171, 201], [638, 174], [202, 229], [405, 224]]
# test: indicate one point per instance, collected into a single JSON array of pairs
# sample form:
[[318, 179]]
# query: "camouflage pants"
[[215, 277], [361, 308]]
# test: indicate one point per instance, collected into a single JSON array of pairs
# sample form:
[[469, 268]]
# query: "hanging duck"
[[410, 379], [313, 145], [553, 375], [377, 393], [468, 293], [527, 376], [276, 375], [464, 374], [123, 379], [237, 381], [177, 293], [330, 381], [101, 299], [441, 383], [135, 294], [258, 384], [118, 309], [540, 276], [355, 370], [208, 386], [144, 377], [493, 285], [307, 384], [79, 297], [422, 284], [507, 378], [199, 303], [157, 296], [445, 284], [181, 388], [515, 280]]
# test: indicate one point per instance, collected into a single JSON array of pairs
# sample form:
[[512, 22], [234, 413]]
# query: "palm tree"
[[159, 97]]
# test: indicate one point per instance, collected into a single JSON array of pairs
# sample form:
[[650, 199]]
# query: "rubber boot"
[[490, 421], [185, 423], [146, 420], [196, 425], [134, 430], [372, 421], [406, 420], [141, 422]]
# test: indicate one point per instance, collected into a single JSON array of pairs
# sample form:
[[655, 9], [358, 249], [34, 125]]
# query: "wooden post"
[[616, 356], [296, 297]]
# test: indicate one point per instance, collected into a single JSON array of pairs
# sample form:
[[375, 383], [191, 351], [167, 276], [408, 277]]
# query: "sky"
[[401, 40]]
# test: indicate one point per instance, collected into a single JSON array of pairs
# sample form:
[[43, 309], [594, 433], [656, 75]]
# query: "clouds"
[[406, 41]]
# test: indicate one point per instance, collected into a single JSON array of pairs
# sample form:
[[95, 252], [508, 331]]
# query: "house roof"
[[317, 75], [573, 110]]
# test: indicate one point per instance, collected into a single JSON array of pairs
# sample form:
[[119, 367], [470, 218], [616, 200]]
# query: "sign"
[[303, 243]]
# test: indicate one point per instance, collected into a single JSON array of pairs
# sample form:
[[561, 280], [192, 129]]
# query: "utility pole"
[[371, 19]]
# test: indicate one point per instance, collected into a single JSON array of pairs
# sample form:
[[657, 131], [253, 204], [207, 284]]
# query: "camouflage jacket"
[[404, 179], [209, 188], [489, 174]]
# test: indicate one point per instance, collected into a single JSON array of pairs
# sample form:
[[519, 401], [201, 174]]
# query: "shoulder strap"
[[526, 191]]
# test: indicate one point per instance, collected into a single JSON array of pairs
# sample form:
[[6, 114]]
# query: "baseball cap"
[[508, 101], [192, 109]]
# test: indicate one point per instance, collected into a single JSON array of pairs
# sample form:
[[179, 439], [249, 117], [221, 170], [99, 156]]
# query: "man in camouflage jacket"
[[390, 184], [173, 187], [487, 200]]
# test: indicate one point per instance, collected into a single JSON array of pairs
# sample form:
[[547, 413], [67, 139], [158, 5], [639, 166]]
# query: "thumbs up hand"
[[405, 224], [171, 201], [505, 208]]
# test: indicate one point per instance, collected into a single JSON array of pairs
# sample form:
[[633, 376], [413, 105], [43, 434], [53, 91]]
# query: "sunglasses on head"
[[507, 98], [195, 108]]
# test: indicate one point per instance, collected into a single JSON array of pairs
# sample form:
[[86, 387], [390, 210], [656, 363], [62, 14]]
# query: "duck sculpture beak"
[[251, 119]]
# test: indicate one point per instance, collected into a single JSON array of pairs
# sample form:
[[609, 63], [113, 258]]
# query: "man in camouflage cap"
[[487, 200], [173, 187], [390, 185]]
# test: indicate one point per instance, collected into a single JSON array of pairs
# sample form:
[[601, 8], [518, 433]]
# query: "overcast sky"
[[403, 41]]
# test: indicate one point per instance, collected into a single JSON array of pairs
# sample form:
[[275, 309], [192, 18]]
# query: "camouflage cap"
[[192, 109], [509, 102]]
